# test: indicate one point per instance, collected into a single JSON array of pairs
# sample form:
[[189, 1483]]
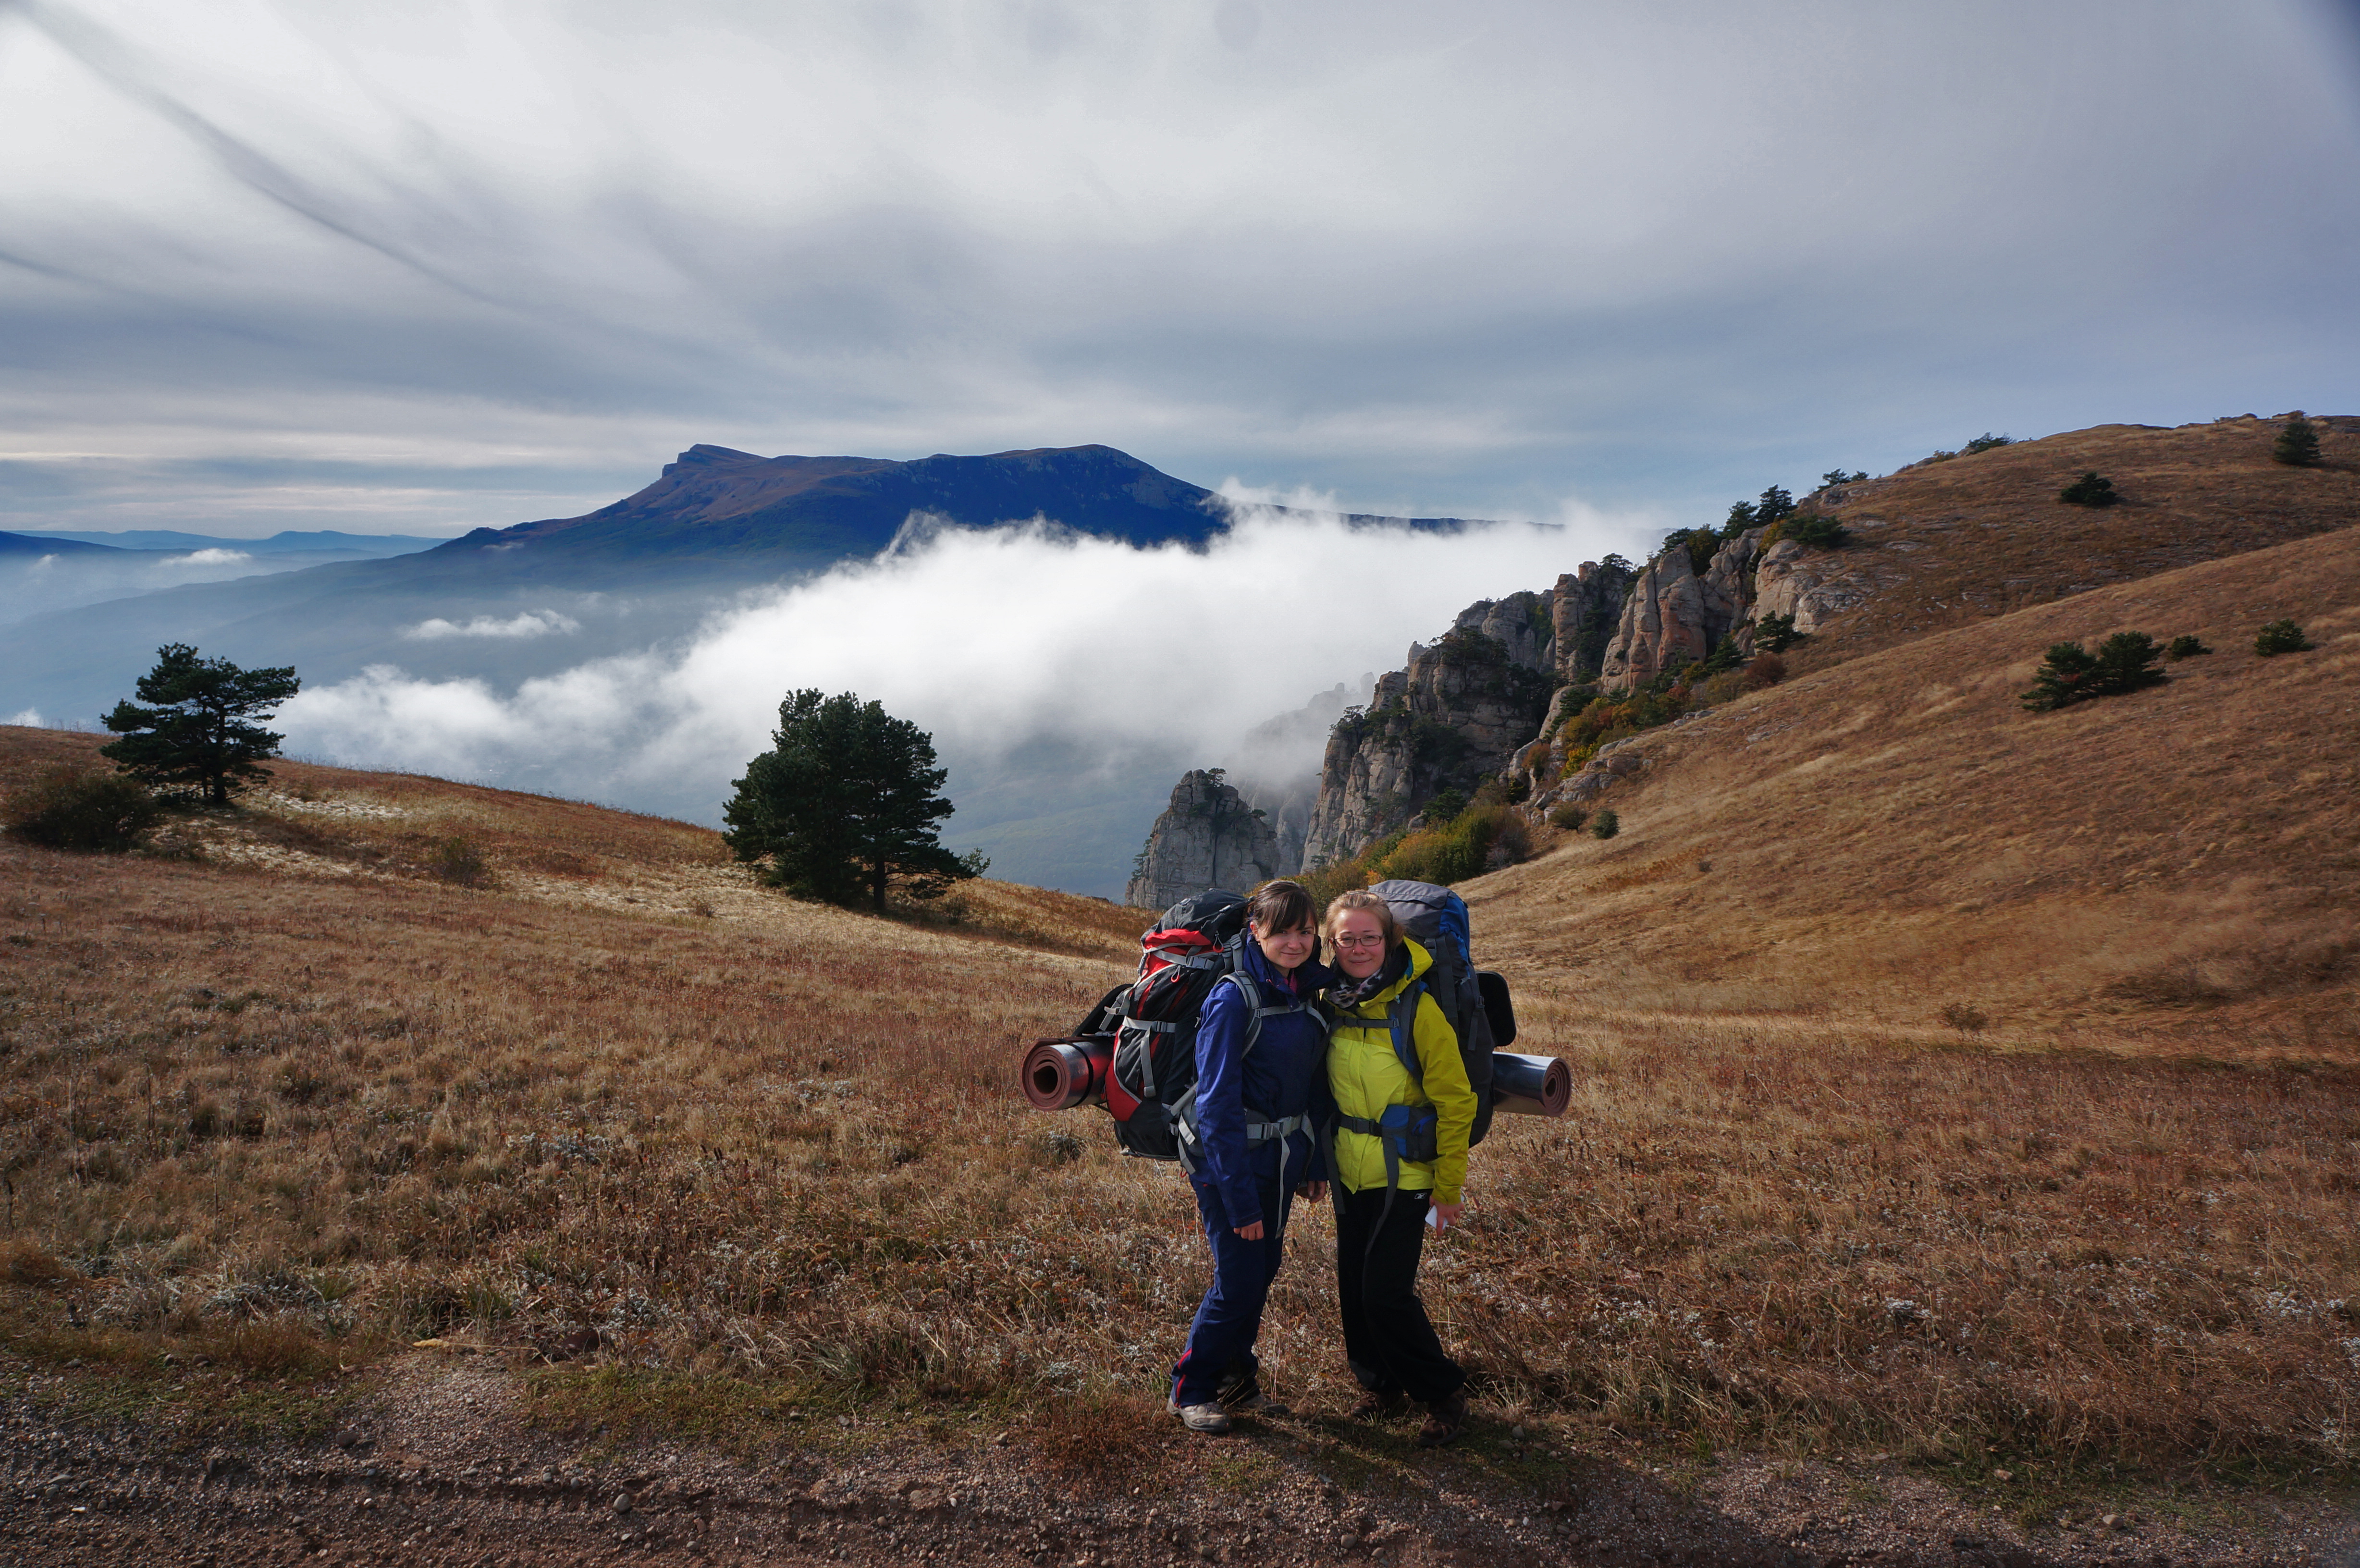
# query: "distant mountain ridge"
[[715, 502]]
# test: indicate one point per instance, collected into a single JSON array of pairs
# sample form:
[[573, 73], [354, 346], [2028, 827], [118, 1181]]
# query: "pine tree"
[[843, 802], [2092, 489], [2124, 662], [200, 731], [2297, 443]]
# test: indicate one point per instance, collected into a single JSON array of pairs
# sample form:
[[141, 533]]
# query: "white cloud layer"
[[280, 263], [991, 640], [523, 624]]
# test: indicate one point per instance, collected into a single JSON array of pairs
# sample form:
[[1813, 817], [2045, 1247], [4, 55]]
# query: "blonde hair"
[[1361, 899]]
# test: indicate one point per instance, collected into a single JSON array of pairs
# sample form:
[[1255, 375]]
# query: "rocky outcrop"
[[1209, 837], [1810, 586], [1584, 610], [1276, 765], [1448, 721], [1521, 624], [1674, 617]]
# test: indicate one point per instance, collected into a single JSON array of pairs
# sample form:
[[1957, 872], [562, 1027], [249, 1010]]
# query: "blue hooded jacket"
[[1285, 1074]]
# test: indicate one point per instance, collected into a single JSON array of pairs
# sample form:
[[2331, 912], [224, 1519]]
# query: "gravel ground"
[[438, 1469]]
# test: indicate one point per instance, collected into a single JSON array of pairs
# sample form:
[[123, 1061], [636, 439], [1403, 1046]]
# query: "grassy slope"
[[1894, 836], [1944, 544], [298, 1101]]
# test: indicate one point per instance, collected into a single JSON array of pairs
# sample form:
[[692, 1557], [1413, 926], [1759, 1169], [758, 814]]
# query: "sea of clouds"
[[995, 640]]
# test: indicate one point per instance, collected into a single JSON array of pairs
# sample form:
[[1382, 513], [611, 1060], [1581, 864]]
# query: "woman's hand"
[[1312, 1192], [1250, 1232], [1447, 1214]]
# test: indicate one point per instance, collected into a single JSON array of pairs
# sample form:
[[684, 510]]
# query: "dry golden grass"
[[1949, 543], [2175, 870], [769, 1159]]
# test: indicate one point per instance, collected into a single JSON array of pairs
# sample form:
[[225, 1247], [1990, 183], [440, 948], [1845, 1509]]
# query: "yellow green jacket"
[[1365, 1076]]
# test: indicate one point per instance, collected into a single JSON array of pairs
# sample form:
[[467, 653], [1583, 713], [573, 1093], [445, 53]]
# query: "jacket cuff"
[[1452, 1194]]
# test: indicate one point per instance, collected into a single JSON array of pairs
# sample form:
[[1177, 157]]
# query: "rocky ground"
[[436, 1466]]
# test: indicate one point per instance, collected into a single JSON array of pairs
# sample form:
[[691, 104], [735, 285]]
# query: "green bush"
[[2124, 662], [2280, 636], [2092, 489], [1567, 815], [1987, 440], [1606, 826], [1811, 530], [2185, 647], [77, 808], [1838, 477], [1777, 634], [458, 860], [2297, 443]]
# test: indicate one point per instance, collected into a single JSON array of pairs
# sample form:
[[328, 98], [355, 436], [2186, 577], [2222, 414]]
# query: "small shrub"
[[2185, 647], [1512, 845], [2297, 443], [1987, 440], [2124, 662], [1767, 670], [457, 860], [2280, 636], [1965, 1018], [1606, 826], [73, 808], [2092, 489], [1777, 634], [1838, 477], [1813, 531], [1941, 455], [1567, 815]]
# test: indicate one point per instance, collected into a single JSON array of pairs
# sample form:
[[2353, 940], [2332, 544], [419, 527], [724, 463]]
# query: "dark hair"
[[1283, 905]]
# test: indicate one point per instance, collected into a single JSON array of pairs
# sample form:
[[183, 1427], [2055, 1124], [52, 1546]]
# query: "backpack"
[[1150, 1087], [1476, 1006]]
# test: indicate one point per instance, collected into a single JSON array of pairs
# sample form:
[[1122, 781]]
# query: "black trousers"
[[1390, 1345]]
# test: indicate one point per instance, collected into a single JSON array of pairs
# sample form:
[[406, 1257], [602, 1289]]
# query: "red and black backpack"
[[1151, 1088]]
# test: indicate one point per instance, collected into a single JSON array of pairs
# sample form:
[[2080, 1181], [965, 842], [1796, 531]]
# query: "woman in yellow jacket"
[[1400, 1156]]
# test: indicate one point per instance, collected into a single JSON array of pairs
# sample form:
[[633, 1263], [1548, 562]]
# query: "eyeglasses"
[[1372, 940]]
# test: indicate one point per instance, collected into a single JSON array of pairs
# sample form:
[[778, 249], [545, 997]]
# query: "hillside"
[[1947, 542], [604, 1171], [1881, 839]]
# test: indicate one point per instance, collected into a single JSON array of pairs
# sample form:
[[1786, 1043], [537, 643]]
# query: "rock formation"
[[1448, 721], [1209, 837], [1674, 617], [1276, 765], [1584, 610]]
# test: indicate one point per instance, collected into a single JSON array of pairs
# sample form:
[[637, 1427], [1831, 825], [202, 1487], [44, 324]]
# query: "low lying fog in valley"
[[1067, 681]]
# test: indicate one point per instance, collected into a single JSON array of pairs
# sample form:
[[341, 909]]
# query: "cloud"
[[994, 640], [524, 623], [468, 257], [205, 559]]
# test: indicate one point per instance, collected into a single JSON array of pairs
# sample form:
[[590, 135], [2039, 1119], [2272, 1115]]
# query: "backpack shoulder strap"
[[1402, 1017]]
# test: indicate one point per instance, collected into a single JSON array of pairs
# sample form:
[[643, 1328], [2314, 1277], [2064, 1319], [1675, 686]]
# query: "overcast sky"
[[426, 268]]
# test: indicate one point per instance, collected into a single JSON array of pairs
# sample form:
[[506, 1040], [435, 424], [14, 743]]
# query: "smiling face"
[[1360, 942], [1286, 950]]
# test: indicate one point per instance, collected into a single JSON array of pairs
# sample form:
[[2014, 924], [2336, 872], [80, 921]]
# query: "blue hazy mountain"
[[325, 543]]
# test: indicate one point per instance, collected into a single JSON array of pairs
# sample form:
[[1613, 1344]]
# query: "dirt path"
[[437, 1468]]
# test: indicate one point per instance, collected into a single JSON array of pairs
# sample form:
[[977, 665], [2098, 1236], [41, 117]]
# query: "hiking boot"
[[1445, 1420], [1211, 1419], [1384, 1406], [1244, 1396]]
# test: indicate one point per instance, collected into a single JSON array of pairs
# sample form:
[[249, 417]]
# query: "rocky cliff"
[[1209, 837], [1450, 719], [1673, 616]]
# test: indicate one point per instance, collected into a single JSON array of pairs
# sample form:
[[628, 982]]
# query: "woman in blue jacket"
[[1248, 1144]]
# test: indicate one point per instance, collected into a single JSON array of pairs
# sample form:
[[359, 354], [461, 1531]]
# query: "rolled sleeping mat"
[[1059, 1074], [1530, 1085]]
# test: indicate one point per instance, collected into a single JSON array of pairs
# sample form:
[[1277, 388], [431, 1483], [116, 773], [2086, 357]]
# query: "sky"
[[448, 264]]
